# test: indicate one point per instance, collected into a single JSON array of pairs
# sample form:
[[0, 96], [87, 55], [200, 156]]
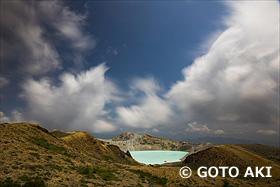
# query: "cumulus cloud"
[[76, 103], [234, 83], [68, 24], [155, 130], [3, 82], [201, 128], [151, 110], [219, 132], [15, 116], [4, 118], [237, 79], [24, 32], [267, 132], [195, 127], [101, 126]]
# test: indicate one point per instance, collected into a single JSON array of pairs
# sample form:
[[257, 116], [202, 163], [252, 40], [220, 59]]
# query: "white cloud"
[[76, 103], [22, 35], [195, 127], [24, 32], [67, 23], [267, 132], [15, 117], [151, 110], [237, 79], [101, 126], [4, 118], [235, 82], [201, 128], [155, 130], [219, 132], [3, 82]]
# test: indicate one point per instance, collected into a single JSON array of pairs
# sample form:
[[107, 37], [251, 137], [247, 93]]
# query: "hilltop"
[[230, 155], [30, 155], [83, 141], [269, 152]]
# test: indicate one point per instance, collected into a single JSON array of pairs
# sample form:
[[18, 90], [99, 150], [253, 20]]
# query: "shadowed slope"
[[230, 155]]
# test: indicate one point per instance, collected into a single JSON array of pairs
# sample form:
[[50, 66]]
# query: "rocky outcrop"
[[129, 141], [126, 136]]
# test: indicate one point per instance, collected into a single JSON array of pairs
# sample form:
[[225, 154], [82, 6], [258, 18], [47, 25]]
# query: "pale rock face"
[[129, 141]]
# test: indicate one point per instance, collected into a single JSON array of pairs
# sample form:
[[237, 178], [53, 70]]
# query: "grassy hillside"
[[269, 152], [83, 141], [230, 155], [32, 156], [29, 153]]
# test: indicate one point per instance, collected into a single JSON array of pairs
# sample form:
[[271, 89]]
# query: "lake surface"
[[157, 156]]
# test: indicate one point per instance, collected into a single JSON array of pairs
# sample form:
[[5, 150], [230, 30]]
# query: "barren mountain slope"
[[131, 142]]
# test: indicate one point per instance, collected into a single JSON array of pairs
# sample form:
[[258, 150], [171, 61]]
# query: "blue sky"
[[176, 69], [151, 38]]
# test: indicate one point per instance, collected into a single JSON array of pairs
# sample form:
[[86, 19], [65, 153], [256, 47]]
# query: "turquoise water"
[[157, 156]]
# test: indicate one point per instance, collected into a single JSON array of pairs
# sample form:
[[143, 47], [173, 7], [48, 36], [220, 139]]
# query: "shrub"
[[105, 174], [9, 183], [151, 178], [226, 183], [35, 155], [45, 144], [34, 182], [53, 166]]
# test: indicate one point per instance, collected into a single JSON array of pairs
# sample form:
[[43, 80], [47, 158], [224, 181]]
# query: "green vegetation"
[[48, 158], [151, 178], [53, 166], [33, 167], [226, 183], [87, 171], [269, 152], [105, 174], [68, 160], [15, 167], [35, 155], [45, 144], [9, 183], [24, 177], [29, 182], [108, 158], [34, 182], [32, 149]]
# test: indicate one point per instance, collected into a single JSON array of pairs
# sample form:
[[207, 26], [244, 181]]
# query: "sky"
[[174, 69]]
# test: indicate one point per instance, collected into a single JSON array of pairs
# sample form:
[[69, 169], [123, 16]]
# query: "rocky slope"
[[129, 141]]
